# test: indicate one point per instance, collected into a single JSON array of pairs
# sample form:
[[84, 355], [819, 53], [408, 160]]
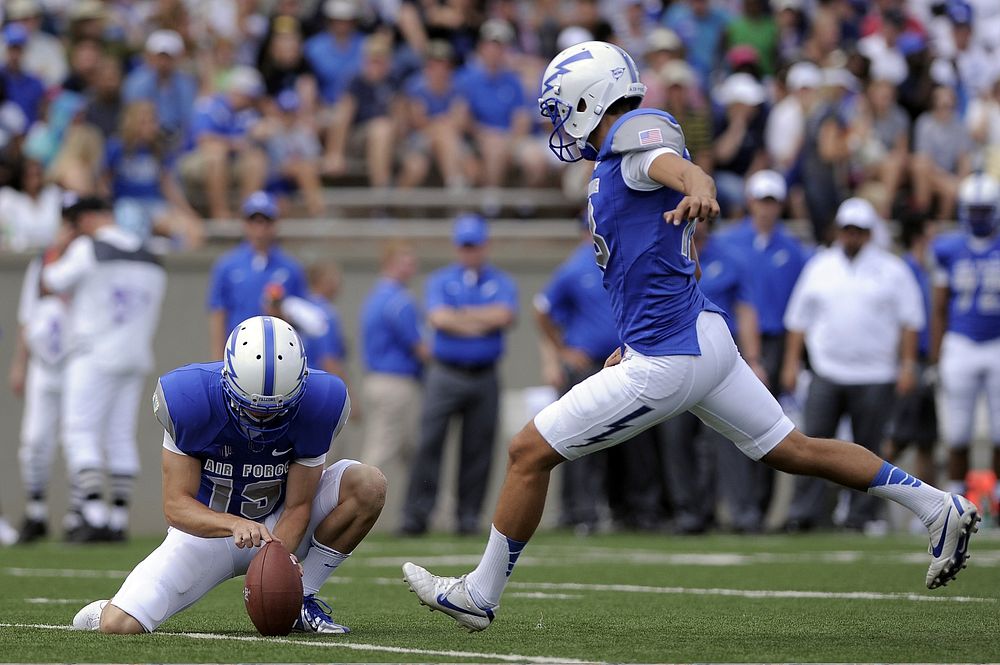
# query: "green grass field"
[[618, 598]]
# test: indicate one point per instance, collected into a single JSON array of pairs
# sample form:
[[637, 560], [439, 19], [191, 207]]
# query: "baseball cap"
[[260, 203], [677, 72], [496, 30], [469, 230], [741, 55], [840, 77], [741, 89], [766, 185], [857, 212], [959, 12], [18, 10], [780, 5], [87, 10], [165, 41], [571, 36], [340, 10], [803, 75], [245, 80], [663, 39], [15, 34]]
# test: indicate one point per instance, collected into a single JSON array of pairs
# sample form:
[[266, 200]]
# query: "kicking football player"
[[965, 321], [678, 354], [244, 445]]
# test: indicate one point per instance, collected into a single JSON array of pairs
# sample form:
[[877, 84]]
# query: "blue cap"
[[15, 34], [260, 203], [287, 101], [959, 12], [470, 230]]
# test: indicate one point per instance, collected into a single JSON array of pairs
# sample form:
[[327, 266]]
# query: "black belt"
[[468, 368]]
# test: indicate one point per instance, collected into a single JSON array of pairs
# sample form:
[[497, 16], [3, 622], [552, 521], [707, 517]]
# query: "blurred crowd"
[[176, 108]]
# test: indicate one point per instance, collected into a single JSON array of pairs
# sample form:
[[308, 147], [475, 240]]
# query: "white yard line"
[[353, 646], [56, 601], [64, 572]]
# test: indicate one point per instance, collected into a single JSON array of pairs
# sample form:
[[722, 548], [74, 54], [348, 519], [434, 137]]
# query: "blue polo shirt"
[[924, 280], [726, 278], [173, 98], [777, 262], [214, 115], [334, 63], [576, 300], [330, 345], [390, 329], [433, 103], [26, 91], [456, 286], [239, 277], [493, 97]]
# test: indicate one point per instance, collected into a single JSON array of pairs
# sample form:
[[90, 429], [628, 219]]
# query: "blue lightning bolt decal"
[[560, 69], [230, 350], [614, 428]]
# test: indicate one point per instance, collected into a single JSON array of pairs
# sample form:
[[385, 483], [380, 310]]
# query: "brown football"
[[273, 590]]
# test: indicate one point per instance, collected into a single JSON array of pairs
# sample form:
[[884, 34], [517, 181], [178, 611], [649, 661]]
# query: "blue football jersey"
[[235, 478], [648, 269], [970, 268]]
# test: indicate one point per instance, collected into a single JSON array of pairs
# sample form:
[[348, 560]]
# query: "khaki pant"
[[392, 418]]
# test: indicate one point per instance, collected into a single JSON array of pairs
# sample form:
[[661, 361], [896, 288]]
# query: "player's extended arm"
[[300, 490], [680, 175], [181, 478], [939, 320]]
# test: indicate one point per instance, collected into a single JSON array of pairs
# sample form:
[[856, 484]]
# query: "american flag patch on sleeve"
[[650, 136]]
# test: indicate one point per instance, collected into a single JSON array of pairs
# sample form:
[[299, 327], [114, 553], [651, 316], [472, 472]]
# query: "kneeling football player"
[[244, 446]]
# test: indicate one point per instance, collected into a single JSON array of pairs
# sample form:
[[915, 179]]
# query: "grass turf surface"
[[620, 598]]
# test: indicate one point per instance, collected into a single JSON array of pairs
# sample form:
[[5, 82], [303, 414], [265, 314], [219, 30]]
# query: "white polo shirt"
[[853, 313]]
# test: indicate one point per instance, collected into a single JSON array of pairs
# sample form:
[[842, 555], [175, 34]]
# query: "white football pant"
[[968, 368], [43, 388]]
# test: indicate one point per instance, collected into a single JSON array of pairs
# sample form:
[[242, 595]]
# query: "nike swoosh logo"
[[944, 533], [279, 453], [443, 600]]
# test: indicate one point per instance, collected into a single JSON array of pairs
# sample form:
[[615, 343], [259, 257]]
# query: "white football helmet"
[[978, 204], [264, 376], [578, 86]]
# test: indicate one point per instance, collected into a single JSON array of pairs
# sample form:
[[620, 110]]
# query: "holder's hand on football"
[[698, 208], [247, 533]]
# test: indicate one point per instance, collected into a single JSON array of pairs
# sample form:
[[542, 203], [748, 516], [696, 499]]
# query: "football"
[[273, 590]]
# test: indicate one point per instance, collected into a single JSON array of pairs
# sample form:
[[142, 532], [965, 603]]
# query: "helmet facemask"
[[981, 220]]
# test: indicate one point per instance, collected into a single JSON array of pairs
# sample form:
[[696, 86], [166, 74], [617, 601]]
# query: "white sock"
[[486, 583], [319, 564], [897, 485], [118, 519], [95, 512]]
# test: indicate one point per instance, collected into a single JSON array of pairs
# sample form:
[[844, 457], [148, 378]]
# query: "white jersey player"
[[644, 199], [116, 287], [39, 361]]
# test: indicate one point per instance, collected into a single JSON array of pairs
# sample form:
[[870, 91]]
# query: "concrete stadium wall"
[[183, 338]]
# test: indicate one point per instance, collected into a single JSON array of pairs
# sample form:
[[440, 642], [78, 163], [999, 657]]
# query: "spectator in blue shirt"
[[159, 80], [24, 89], [224, 129], [335, 55], [497, 103], [470, 304], [147, 197], [259, 278], [702, 28], [436, 114], [364, 112], [393, 356]]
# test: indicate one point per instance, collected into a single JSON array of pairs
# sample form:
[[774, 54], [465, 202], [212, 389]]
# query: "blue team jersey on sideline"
[[456, 286], [776, 264], [330, 345], [390, 329], [972, 270], [239, 277], [190, 404], [725, 278], [579, 304], [924, 281], [648, 272]]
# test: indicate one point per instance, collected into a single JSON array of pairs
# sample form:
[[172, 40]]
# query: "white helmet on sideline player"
[[264, 376], [578, 86], [979, 204]]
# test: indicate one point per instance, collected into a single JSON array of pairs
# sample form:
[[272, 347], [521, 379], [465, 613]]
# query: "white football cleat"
[[89, 618], [950, 535], [448, 595]]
